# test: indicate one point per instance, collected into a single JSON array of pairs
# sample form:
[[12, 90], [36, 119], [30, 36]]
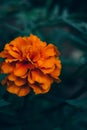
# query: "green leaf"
[[57, 128], [2, 76], [1, 59], [82, 103], [3, 103]]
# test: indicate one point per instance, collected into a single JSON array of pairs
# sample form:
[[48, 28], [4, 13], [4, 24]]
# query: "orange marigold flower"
[[30, 64]]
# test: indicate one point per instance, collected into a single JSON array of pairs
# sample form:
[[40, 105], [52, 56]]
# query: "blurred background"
[[63, 23]]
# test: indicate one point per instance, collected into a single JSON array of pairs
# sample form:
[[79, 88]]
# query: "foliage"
[[63, 23]]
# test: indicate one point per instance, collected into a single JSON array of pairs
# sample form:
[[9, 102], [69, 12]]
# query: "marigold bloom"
[[30, 64]]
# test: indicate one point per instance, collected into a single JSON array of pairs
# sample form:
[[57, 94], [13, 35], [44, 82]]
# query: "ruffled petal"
[[12, 77], [49, 51], [35, 76], [57, 70], [38, 76], [14, 54], [39, 88], [36, 89], [47, 70], [39, 82], [9, 58], [3, 54], [20, 70], [46, 63], [7, 67], [19, 42], [36, 42], [20, 91], [20, 81]]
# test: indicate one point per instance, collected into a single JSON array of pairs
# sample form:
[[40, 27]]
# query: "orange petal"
[[12, 50], [47, 70], [12, 77], [19, 81], [24, 76], [19, 42], [9, 58], [20, 69], [57, 70], [35, 41], [34, 54], [14, 54], [37, 89], [20, 91], [46, 63], [30, 80], [35, 76], [7, 67], [41, 88], [47, 66], [38, 76], [3, 54], [50, 50], [55, 73], [39, 82]]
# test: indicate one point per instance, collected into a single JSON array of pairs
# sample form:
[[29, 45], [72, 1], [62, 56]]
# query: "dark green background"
[[63, 23]]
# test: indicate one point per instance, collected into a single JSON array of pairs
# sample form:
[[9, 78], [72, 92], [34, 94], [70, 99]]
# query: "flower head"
[[30, 64]]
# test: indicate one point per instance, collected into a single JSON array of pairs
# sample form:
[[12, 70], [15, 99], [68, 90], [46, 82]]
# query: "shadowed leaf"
[[82, 103], [3, 103]]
